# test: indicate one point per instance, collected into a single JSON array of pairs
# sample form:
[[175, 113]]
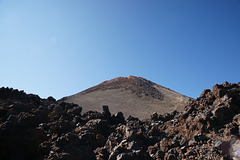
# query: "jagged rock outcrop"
[[35, 128]]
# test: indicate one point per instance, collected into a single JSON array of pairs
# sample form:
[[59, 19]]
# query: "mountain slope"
[[131, 95]]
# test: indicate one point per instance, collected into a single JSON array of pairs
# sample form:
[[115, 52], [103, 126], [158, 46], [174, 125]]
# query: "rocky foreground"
[[35, 128]]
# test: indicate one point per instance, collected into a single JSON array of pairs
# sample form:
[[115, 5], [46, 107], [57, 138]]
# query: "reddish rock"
[[35, 128]]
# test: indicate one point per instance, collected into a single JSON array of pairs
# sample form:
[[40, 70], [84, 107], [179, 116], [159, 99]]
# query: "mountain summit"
[[131, 95], [137, 85]]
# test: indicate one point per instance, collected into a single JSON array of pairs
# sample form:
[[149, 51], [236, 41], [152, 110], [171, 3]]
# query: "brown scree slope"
[[131, 95]]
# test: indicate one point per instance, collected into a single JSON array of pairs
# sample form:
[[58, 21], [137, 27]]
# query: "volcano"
[[130, 95]]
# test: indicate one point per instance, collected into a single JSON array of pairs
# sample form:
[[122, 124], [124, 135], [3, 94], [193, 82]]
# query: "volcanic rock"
[[35, 128]]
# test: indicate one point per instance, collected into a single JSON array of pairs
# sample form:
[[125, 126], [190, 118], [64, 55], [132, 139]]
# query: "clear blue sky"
[[61, 47]]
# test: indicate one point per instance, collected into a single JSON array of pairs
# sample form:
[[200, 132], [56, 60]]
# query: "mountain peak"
[[131, 95], [125, 79], [133, 77], [137, 85]]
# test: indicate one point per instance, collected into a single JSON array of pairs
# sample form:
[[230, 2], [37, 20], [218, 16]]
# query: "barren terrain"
[[131, 95]]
